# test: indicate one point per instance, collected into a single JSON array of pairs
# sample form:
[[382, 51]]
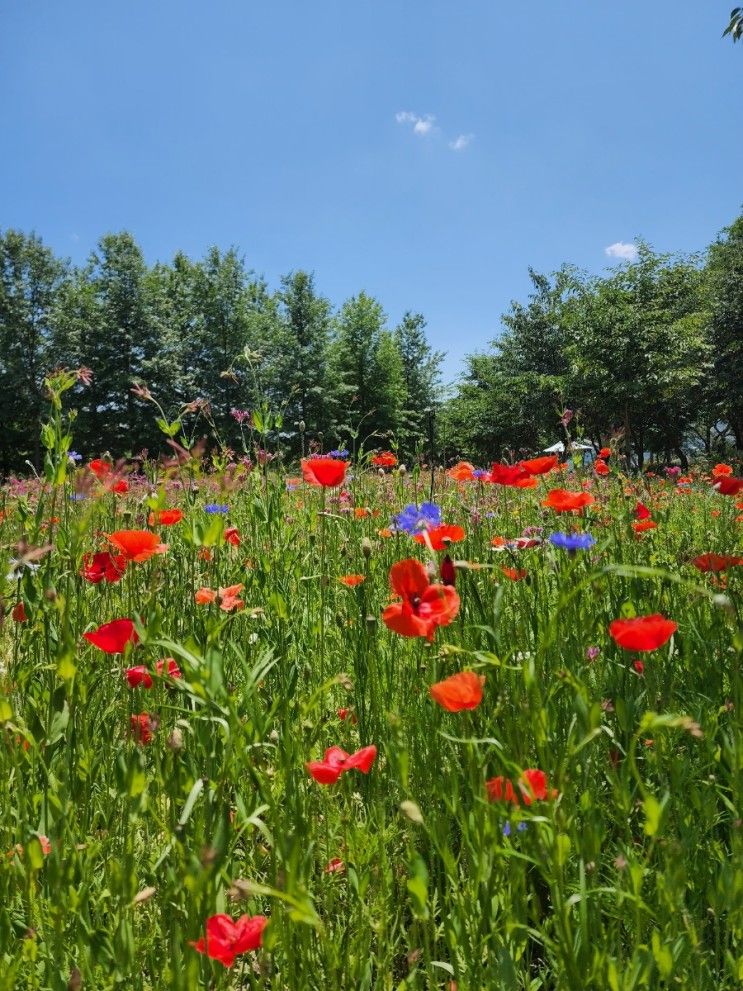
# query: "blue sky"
[[425, 151]]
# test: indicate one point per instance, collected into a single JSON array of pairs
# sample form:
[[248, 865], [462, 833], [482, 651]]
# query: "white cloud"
[[620, 249], [421, 125], [461, 142]]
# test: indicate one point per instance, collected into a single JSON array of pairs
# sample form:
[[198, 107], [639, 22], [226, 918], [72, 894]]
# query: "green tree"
[[366, 371], [509, 398], [638, 352], [119, 340], [725, 277], [31, 279], [421, 369], [307, 317], [221, 331], [735, 27]]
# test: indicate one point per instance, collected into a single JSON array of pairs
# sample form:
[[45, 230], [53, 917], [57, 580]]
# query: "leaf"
[[653, 814], [662, 955], [417, 885], [196, 790]]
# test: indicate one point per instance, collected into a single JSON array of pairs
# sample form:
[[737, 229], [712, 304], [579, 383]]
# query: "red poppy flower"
[[229, 598], [385, 459], [605, 453], [165, 517], [540, 466], [643, 525], [113, 637], [441, 536], [721, 470], [326, 472], [168, 667], [514, 574], [424, 606], [563, 501], [716, 562], [463, 471], [336, 761], [232, 536], [351, 581], [500, 789], [531, 787], [512, 475], [101, 469], [103, 567], [19, 613], [121, 487], [729, 486], [226, 939], [643, 633], [641, 512], [142, 727], [205, 596], [139, 675], [345, 713], [639, 667], [601, 467], [460, 691], [137, 545], [447, 572], [335, 866]]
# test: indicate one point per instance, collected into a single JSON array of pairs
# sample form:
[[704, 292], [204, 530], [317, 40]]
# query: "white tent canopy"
[[559, 448]]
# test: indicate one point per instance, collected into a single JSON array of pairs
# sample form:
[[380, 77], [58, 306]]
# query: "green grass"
[[631, 878]]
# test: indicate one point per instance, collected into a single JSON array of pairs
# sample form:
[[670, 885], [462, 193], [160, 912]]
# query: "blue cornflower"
[[479, 473], [572, 542], [77, 496], [341, 454], [413, 519], [74, 456], [521, 826], [215, 507]]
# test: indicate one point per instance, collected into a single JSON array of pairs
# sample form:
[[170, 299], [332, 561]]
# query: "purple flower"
[[592, 653], [414, 520], [241, 415], [572, 542]]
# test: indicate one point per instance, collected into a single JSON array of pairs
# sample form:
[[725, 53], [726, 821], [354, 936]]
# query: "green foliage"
[[31, 279], [627, 877], [648, 354], [735, 27]]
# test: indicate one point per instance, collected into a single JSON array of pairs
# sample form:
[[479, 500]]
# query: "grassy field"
[[139, 800]]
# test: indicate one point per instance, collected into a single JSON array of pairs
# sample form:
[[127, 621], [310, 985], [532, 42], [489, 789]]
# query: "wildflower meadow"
[[343, 724]]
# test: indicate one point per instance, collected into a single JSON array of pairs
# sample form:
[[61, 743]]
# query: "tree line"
[[211, 343], [649, 355]]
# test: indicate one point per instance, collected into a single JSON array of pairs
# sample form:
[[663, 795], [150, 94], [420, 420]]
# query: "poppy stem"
[[323, 582]]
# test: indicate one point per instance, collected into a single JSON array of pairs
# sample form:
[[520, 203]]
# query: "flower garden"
[[357, 726]]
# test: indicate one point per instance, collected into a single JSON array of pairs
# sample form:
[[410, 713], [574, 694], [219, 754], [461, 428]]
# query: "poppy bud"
[[371, 624], [366, 547], [448, 575], [402, 470], [175, 740], [302, 426]]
